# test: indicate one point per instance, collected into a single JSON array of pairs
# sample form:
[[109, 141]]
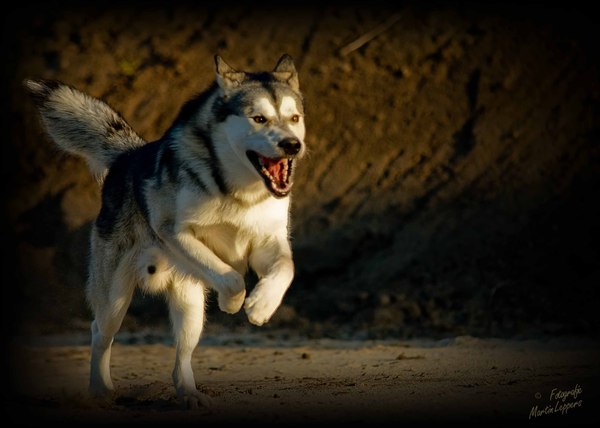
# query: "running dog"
[[191, 211]]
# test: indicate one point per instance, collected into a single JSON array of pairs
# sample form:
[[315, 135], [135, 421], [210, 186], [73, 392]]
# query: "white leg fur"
[[108, 318], [100, 381], [231, 304], [275, 268], [194, 258], [186, 307]]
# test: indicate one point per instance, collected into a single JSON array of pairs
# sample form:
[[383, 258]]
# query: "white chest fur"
[[229, 228]]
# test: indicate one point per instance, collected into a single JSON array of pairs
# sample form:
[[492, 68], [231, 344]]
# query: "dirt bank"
[[454, 168]]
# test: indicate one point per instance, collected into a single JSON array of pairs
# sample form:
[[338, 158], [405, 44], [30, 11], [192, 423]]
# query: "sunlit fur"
[[186, 213]]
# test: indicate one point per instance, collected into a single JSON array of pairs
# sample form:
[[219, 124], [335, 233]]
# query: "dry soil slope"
[[454, 158]]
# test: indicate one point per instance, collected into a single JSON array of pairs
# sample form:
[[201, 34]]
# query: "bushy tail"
[[83, 125]]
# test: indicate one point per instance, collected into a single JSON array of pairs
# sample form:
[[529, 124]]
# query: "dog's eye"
[[295, 118], [259, 119]]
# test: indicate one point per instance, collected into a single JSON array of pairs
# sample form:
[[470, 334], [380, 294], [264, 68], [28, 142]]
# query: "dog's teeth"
[[266, 172], [288, 170], [280, 181]]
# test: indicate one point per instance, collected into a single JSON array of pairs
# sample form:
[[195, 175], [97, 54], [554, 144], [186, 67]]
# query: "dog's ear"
[[285, 70], [227, 77]]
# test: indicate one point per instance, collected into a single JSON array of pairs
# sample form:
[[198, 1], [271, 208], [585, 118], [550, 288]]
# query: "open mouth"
[[276, 172]]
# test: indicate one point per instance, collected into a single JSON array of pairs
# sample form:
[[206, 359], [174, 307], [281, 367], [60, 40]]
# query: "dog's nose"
[[290, 146]]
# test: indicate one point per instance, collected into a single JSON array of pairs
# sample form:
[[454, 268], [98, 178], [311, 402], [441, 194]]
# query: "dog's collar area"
[[275, 172]]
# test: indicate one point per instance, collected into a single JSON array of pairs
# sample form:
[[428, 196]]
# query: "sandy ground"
[[463, 379]]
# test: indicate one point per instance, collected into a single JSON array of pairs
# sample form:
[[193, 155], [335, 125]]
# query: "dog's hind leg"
[[186, 307], [110, 303]]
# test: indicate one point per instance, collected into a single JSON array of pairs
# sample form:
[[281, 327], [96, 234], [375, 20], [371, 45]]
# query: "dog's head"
[[262, 115]]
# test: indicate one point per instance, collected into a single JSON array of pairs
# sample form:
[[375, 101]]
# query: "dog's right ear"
[[227, 77]]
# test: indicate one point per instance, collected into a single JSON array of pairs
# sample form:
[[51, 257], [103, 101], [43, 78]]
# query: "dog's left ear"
[[285, 70]]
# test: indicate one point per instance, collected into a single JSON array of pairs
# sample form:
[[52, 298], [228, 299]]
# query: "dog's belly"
[[230, 244]]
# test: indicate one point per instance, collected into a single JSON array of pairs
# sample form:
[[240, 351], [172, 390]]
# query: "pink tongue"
[[275, 168]]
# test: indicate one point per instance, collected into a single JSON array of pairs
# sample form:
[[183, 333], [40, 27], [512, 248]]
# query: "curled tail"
[[83, 125]]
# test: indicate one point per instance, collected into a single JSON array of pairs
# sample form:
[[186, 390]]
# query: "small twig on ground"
[[367, 37]]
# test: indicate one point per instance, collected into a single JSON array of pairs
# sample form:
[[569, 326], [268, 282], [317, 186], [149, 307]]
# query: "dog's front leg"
[[194, 258], [273, 264]]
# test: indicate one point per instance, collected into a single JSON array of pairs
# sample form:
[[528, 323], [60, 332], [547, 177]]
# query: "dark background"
[[452, 183]]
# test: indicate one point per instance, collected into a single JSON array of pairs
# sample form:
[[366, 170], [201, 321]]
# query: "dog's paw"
[[101, 391], [230, 283], [262, 303], [195, 400], [103, 398], [231, 304]]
